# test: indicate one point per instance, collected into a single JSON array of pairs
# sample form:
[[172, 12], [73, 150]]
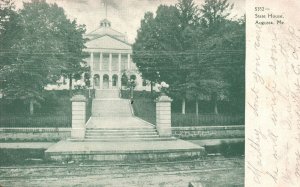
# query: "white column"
[[110, 81], [92, 61], [92, 67], [120, 74], [101, 59], [119, 61], [128, 64], [101, 81], [110, 59]]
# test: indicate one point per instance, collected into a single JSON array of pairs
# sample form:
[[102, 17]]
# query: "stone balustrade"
[[78, 116], [163, 116]]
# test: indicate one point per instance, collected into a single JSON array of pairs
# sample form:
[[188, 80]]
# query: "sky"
[[125, 15]]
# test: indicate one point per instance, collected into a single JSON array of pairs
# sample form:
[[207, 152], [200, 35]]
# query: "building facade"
[[110, 59]]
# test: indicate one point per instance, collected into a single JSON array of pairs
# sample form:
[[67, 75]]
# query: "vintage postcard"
[[149, 93]]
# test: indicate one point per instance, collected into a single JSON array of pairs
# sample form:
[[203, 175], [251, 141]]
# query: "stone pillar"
[[163, 115], [78, 116]]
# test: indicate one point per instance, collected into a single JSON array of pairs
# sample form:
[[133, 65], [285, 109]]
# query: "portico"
[[107, 68], [110, 57]]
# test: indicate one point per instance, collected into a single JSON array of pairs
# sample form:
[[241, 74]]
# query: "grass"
[[54, 111], [21, 156], [144, 107], [45, 120]]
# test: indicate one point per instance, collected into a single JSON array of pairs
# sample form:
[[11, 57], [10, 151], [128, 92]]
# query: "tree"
[[220, 70], [214, 12], [9, 31], [49, 46], [200, 52], [162, 42]]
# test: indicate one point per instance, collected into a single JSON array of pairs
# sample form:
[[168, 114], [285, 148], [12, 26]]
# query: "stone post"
[[78, 116], [163, 115]]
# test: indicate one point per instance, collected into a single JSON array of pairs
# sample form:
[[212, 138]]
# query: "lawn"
[[41, 120], [53, 111], [144, 107]]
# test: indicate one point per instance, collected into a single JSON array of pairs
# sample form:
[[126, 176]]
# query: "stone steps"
[[105, 133], [113, 93], [125, 139], [119, 134], [107, 108]]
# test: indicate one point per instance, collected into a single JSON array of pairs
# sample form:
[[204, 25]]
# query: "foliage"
[[49, 45], [199, 51], [214, 12], [163, 42], [9, 31]]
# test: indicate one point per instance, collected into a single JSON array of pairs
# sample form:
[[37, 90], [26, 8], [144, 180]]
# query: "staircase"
[[113, 121], [122, 135], [121, 129], [111, 108], [114, 134], [105, 93]]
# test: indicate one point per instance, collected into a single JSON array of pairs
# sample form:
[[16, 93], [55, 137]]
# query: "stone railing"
[[34, 134], [163, 115], [209, 132], [78, 116]]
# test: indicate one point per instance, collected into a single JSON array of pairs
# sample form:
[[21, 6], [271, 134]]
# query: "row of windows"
[[114, 78]]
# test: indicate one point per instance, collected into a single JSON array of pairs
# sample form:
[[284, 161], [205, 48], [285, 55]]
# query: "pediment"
[[107, 42]]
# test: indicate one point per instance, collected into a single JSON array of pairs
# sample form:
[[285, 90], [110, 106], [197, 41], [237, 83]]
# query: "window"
[[132, 77], [114, 80]]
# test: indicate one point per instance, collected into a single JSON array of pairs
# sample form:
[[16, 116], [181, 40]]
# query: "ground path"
[[213, 171]]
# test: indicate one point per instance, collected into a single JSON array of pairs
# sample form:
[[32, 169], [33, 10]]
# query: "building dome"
[[105, 29], [105, 23]]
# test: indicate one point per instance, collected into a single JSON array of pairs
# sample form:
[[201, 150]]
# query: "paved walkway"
[[125, 147], [45, 145], [26, 145]]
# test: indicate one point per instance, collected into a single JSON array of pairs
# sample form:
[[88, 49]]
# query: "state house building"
[[110, 58]]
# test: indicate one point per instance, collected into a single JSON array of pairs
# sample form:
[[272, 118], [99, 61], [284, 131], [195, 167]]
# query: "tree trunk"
[[183, 106], [216, 108], [31, 108], [197, 108], [151, 87], [70, 85]]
